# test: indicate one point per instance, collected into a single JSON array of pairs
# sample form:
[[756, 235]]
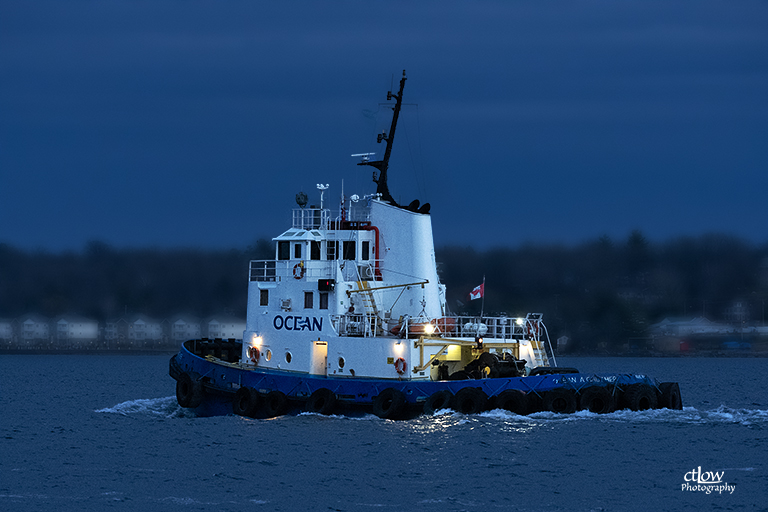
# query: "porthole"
[[341, 362], [288, 357], [269, 355]]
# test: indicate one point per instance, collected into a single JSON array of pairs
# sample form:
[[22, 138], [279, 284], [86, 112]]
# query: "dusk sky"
[[194, 123]]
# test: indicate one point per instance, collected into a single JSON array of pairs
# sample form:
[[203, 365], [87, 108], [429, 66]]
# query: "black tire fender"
[[438, 400], [561, 401], [512, 400], [275, 404], [670, 396], [641, 397], [389, 404], [246, 402], [470, 401], [596, 399], [189, 390], [322, 401]]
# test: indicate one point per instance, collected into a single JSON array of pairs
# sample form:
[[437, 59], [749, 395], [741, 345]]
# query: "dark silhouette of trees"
[[599, 292]]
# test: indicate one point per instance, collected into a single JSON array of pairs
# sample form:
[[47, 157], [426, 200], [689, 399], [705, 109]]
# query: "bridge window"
[[283, 250], [297, 251], [349, 250], [314, 250]]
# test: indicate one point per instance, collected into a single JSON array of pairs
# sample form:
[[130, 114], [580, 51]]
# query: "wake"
[[166, 407]]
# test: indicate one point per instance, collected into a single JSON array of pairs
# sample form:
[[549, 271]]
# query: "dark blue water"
[[105, 433]]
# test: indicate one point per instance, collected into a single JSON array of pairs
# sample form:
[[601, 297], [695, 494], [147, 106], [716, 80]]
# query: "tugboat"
[[350, 316]]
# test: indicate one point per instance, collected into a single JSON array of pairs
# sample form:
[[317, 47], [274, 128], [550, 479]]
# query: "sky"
[[189, 123]]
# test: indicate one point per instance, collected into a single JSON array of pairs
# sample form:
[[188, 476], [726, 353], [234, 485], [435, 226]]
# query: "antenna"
[[322, 188]]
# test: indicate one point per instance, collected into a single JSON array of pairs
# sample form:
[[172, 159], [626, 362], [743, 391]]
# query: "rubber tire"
[[189, 390], [442, 399], [275, 404], [670, 396], [246, 402], [596, 399], [470, 401], [560, 401], [322, 401], [641, 397], [389, 404], [512, 400]]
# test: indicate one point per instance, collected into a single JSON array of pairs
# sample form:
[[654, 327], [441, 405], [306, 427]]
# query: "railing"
[[358, 325], [317, 218], [311, 218], [272, 271]]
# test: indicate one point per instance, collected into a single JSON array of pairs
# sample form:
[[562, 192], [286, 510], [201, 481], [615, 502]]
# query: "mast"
[[383, 164]]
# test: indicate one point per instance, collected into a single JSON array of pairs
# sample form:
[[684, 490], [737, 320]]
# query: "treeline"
[[612, 290], [601, 291]]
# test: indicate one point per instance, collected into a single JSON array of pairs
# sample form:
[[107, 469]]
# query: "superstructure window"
[[323, 300], [314, 250], [283, 250], [366, 250], [264, 298], [349, 250], [297, 251], [309, 300]]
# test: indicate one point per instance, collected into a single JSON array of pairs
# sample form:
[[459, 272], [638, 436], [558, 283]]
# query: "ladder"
[[373, 325]]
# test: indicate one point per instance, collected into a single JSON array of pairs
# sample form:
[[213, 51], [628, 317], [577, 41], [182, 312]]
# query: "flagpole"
[[482, 303]]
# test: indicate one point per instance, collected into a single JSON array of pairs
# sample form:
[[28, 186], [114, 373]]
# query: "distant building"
[[35, 330], [688, 327], [6, 331], [143, 330], [184, 327], [74, 330], [225, 327]]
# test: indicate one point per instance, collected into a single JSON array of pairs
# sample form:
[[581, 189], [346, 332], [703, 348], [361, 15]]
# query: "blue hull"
[[215, 384]]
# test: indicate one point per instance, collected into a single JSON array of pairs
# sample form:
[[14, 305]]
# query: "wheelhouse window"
[[297, 251], [309, 300], [314, 250], [283, 250], [349, 250]]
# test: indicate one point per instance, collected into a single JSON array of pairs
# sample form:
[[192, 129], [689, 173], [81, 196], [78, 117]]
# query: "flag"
[[478, 292]]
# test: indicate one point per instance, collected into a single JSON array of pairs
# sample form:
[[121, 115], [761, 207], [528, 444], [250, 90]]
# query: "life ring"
[[298, 270], [400, 366], [254, 354]]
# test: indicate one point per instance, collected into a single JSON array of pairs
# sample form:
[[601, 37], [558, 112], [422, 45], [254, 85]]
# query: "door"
[[319, 363]]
